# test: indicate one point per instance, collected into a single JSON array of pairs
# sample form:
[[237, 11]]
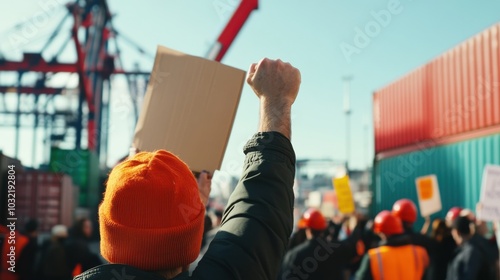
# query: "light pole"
[[347, 112]]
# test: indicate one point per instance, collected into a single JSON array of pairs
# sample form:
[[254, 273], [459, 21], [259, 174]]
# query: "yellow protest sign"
[[344, 195]]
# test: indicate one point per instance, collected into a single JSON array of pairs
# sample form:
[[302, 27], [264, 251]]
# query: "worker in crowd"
[[80, 257], [299, 235], [471, 260], [487, 246], [54, 256], [151, 217], [27, 259], [318, 258], [396, 257], [406, 210], [8, 236], [443, 251], [452, 214]]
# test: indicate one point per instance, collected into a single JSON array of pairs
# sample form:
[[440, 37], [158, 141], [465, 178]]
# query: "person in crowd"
[[151, 217], [80, 257], [318, 258], [54, 255], [488, 247], [396, 257], [444, 250], [470, 261], [27, 259], [406, 211], [451, 215], [5, 262], [299, 235]]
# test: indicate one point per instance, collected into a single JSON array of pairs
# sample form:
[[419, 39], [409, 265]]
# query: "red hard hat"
[[453, 213], [314, 219], [388, 224], [406, 210]]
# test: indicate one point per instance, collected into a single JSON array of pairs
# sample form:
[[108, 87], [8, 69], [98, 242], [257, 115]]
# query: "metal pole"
[[18, 115], [347, 112]]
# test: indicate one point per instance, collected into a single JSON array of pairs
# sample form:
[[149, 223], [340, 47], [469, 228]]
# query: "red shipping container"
[[48, 197], [454, 97]]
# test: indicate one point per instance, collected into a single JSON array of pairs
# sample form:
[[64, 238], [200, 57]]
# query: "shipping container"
[[83, 167], [48, 197], [458, 167], [5, 162], [456, 93]]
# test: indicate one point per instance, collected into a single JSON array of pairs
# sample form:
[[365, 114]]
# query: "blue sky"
[[309, 34]]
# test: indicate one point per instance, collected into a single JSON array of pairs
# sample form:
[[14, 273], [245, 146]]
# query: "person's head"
[[387, 224], [439, 229], [31, 227], [82, 228], [452, 214], [59, 232], [315, 223], [462, 229], [405, 210], [151, 216]]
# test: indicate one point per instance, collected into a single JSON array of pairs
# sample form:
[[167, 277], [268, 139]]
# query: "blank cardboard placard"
[[429, 199], [490, 194], [344, 195], [189, 108]]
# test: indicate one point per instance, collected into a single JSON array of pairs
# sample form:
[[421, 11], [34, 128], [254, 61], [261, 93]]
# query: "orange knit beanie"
[[151, 216]]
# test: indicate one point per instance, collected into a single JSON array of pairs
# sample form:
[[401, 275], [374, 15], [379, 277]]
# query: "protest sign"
[[429, 199], [189, 108], [344, 195]]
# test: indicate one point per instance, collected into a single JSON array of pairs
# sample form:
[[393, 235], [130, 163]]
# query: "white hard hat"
[[60, 231]]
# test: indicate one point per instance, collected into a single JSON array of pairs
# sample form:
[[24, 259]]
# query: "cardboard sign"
[[344, 195], [189, 108], [490, 194], [429, 199]]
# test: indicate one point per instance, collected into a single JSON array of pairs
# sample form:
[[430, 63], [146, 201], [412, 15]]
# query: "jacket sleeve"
[[364, 272], [258, 219]]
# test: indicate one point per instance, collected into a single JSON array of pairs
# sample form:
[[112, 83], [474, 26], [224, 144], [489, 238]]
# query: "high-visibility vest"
[[402, 262], [20, 242]]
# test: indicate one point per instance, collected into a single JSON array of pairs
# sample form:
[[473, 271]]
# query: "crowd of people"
[[60, 256], [457, 247], [153, 221]]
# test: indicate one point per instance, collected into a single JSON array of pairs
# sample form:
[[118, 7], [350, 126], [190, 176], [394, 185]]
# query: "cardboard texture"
[[189, 108], [344, 195], [490, 194], [429, 198]]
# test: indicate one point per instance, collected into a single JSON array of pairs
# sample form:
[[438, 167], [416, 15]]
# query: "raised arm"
[[258, 219]]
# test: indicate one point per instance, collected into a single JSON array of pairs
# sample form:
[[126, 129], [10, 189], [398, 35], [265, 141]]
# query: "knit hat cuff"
[[151, 248]]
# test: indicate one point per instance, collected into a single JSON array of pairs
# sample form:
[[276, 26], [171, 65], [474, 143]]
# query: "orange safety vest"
[[402, 262], [20, 242]]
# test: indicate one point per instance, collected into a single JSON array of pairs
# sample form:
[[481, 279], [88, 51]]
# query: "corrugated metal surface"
[[455, 93], [458, 167], [48, 197]]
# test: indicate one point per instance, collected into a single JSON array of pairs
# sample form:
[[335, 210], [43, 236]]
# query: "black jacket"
[[469, 263], [318, 259], [256, 224]]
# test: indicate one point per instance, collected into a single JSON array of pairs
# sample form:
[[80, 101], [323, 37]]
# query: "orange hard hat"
[[453, 213], [406, 210], [387, 223], [314, 219]]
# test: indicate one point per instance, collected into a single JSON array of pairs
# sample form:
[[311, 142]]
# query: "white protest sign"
[[490, 194], [429, 199]]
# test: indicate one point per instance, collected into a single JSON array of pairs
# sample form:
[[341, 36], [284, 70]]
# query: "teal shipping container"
[[458, 167]]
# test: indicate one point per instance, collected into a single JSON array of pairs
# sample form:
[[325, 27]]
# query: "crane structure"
[[92, 34]]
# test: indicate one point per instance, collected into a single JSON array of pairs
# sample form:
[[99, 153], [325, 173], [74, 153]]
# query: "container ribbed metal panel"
[[458, 167]]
